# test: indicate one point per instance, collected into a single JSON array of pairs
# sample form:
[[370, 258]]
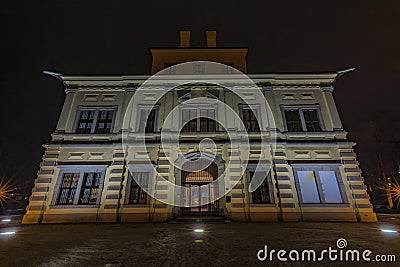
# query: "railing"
[[210, 209]]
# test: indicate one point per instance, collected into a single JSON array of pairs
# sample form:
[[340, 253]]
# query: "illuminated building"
[[83, 175]]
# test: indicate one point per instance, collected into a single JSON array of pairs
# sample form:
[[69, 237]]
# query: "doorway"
[[199, 193]]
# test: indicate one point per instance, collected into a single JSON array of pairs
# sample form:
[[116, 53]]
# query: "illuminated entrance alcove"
[[199, 182]]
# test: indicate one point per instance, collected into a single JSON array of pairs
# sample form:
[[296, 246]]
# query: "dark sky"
[[112, 37]]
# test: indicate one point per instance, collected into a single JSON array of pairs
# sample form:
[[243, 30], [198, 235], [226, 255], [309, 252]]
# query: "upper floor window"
[[319, 184], [79, 185], [249, 117], [147, 119], [95, 120], [302, 119], [198, 120]]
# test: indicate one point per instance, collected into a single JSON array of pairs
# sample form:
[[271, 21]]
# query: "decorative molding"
[[327, 89]]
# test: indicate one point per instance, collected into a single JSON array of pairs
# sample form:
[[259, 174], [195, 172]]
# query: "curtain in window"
[[330, 187], [308, 187]]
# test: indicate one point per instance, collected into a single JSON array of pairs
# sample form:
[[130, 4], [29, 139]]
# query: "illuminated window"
[[90, 187], [79, 185], [94, 120], [302, 119], [69, 185], [319, 184]]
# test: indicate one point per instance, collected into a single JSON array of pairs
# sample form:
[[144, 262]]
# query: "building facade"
[[84, 174]]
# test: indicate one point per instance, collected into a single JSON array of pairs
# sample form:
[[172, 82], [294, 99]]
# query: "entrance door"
[[199, 197], [199, 193]]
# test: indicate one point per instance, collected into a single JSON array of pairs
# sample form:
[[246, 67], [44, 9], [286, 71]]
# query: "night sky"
[[112, 37]]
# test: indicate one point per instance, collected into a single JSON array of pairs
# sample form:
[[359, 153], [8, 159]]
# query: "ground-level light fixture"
[[8, 233], [389, 231]]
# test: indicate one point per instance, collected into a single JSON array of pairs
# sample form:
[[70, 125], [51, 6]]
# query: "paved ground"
[[176, 244]]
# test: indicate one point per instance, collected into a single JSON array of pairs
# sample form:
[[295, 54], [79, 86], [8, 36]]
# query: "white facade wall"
[[328, 147]]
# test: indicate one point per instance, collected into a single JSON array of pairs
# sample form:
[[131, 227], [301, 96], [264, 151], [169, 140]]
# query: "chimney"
[[211, 38], [184, 38]]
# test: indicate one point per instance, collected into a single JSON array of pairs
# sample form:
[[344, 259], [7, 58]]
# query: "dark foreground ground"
[[176, 244]]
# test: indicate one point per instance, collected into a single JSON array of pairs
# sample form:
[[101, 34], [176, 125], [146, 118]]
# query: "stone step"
[[200, 219]]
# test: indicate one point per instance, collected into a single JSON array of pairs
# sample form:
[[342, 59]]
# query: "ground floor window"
[[319, 184], [136, 193], [262, 195], [79, 185]]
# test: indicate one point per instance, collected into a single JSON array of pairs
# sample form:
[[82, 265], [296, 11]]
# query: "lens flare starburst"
[[6, 191], [395, 191], [8, 188]]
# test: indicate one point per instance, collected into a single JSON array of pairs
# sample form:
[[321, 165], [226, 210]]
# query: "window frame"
[[315, 168], [129, 189], [300, 109], [198, 108], [141, 108], [81, 170], [267, 180], [256, 110], [97, 110], [138, 169]]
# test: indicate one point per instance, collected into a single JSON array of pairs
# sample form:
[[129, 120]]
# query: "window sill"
[[141, 206], [73, 206], [263, 205], [322, 135], [325, 205]]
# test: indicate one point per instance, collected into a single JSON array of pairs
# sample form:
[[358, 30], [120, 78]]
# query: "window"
[[249, 118], [79, 185], [90, 188], [198, 120], [302, 119], [68, 188], [262, 195], [137, 195], [319, 184], [95, 120], [293, 121], [147, 119]]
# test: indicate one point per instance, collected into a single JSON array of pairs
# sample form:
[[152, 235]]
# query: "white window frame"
[[252, 168], [198, 108], [97, 110], [316, 168], [141, 108], [78, 169], [256, 110], [301, 114]]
